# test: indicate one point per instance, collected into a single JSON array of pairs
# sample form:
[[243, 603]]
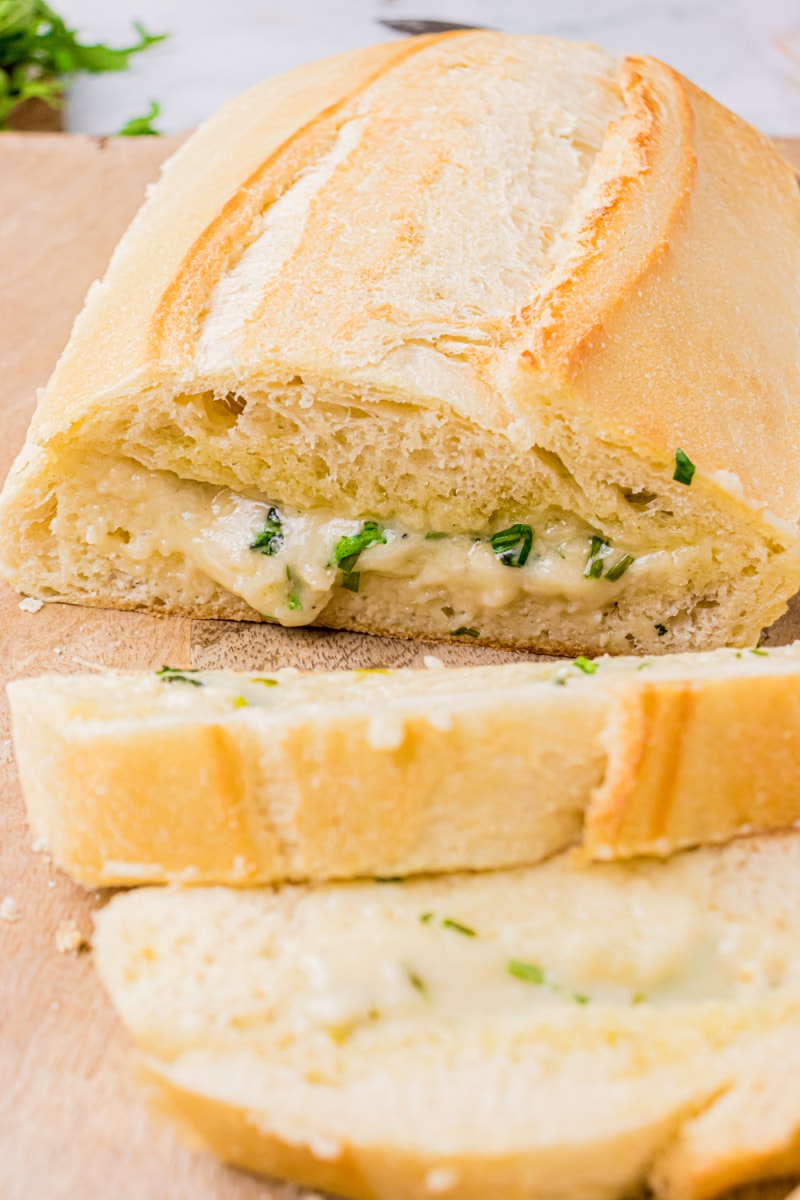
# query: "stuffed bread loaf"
[[221, 777], [476, 335], [554, 1033]]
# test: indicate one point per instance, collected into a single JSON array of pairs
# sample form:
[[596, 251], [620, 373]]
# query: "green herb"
[[457, 927], [585, 664], [513, 545], [418, 984], [390, 878], [580, 998], [757, 650], [642, 666], [266, 682], [270, 540], [426, 917], [684, 468], [465, 631], [527, 972], [174, 675], [293, 601], [434, 536], [598, 550], [661, 630], [39, 54], [638, 998], [619, 568], [347, 549], [142, 126], [351, 580], [239, 702]]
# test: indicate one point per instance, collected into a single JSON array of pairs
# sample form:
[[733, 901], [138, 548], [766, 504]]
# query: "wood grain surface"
[[72, 1125]]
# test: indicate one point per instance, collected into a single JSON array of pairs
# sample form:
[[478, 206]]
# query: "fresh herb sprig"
[[142, 126], [175, 675], [270, 540], [513, 545], [39, 54]]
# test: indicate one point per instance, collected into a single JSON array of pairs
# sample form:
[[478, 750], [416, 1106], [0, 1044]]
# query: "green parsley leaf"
[[347, 549], [142, 126], [585, 664], [418, 984], [527, 972], [598, 549], [174, 675], [351, 580], [513, 545], [465, 631], [619, 568], [270, 540], [457, 927], [684, 468], [39, 54]]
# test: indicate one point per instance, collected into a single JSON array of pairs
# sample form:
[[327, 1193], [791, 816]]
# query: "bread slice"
[[428, 340], [557, 1032], [222, 777]]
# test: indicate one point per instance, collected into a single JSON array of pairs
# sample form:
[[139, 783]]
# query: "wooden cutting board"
[[72, 1125]]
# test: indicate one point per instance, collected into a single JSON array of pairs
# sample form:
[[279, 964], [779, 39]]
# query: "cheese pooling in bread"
[[494, 288]]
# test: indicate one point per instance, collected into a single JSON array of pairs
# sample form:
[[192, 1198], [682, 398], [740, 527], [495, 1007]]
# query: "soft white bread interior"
[[240, 778], [471, 286], [545, 1034]]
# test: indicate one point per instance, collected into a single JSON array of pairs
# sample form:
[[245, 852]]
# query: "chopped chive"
[[585, 664], [390, 878], [270, 540], [434, 535], [527, 972], [457, 927], [598, 550], [239, 702], [580, 998], [619, 568], [465, 631], [426, 917], [347, 549], [418, 984], [266, 682], [684, 468], [638, 998], [661, 630], [757, 650], [293, 603], [642, 666], [513, 545], [174, 675], [351, 580]]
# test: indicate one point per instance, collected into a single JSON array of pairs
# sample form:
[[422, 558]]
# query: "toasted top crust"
[[659, 308]]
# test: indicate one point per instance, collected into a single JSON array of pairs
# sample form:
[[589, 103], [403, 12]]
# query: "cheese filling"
[[287, 564]]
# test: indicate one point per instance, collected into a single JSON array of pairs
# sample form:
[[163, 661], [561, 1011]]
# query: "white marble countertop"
[[745, 52]]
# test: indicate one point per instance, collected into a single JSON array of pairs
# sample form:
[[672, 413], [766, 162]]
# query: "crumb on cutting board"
[[31, 605], [70, 940]]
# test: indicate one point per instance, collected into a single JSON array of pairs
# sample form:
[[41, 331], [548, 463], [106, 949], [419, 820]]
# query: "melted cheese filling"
[[137, 514]]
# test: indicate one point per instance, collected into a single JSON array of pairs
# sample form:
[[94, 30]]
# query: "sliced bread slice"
[[562, 1031], [222, 777]]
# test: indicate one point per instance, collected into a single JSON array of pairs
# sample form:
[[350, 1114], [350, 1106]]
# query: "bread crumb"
[[31, 605], [40, 846], [386, 732], [440, 1179], [9, 909], [70, 940], [432, 662]]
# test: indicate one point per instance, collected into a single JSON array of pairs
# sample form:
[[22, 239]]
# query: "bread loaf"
[[472, 336], [223, 777], [545, 1034]]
